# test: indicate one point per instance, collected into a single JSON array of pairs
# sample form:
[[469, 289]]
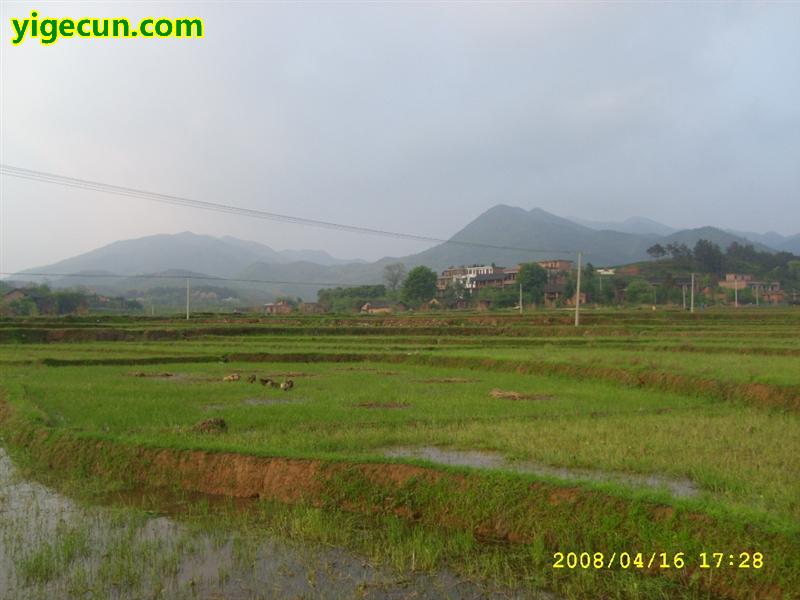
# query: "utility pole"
[[736, 293], [757, 302], [520, 296], [692, 300], [187, 298], [578, 294], [683, 289]]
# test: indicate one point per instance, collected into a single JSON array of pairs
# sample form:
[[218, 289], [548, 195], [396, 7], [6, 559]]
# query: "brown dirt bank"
[[496, 508]]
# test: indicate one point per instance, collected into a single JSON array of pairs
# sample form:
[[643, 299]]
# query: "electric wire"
[[73, 182]]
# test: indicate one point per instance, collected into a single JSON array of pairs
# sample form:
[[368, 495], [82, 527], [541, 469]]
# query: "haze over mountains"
[[635, 225], [526, 235]]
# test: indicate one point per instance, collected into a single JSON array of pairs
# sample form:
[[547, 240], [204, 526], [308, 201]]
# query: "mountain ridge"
[[502, 234]]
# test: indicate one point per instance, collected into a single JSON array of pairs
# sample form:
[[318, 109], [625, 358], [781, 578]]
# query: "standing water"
[[52, 547]]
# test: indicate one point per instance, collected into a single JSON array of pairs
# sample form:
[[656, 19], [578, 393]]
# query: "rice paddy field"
[[641, 455]]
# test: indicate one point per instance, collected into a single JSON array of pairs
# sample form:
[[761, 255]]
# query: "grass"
[[729, 451], [378, 383]]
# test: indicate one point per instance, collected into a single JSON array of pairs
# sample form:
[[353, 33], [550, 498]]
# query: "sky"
[[412, 117]]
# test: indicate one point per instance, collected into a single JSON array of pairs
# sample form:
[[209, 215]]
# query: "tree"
[[745, 295], [499, 297], [532, 278], [657, 251], [679, 251], [393, 275], [639, 291], [453, 293], [794, 269], [344, 299], [708, 256], [419, 286]]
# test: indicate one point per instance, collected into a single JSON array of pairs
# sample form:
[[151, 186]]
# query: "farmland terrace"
[[474, 444]]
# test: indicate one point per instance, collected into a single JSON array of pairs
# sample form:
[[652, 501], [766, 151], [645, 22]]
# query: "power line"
[[21, 276], [45, 177]]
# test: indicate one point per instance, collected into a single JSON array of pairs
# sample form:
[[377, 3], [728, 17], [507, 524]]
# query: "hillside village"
[[553, 283]]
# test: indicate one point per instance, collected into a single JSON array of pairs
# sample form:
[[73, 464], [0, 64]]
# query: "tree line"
[[41, 300]]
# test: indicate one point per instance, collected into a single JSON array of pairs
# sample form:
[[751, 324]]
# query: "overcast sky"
[[404, 116]]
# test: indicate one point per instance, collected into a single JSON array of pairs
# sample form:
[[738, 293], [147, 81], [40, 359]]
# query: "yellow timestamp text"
[[657, 560]]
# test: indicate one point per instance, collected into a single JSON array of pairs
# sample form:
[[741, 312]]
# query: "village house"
[[377, 307], [477, 277], [311, 308], [555, 294], [281, 307], [556, 266], [450, 276], [14, 295], [736, 281], [767, 292], [432, 304], [490, 280], [463, 275]]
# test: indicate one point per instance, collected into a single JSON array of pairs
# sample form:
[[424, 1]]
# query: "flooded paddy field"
[[418, 457], [54, 547]]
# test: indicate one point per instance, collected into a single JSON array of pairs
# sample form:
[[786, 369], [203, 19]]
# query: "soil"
[[211, 426], [143, 374], [512, 395]]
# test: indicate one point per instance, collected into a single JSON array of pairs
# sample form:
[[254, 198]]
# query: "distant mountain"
[[551, 236], [294, 276], [791, 244], [504, 235], [218, 257], [773, 240], [319, 257], [545, 234], [635, 225], [269, 255], [722, 238]]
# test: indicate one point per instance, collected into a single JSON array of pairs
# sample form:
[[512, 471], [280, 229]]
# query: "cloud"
[[410, 117]]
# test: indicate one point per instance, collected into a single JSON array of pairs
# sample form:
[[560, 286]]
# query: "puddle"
[[678, 487], [52, 547], [168, 376]]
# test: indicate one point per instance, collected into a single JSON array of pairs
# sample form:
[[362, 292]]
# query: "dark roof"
[[29, 293], [491, 277]]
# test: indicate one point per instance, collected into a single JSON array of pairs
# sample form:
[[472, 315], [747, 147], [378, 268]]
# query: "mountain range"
[[503, 235]]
